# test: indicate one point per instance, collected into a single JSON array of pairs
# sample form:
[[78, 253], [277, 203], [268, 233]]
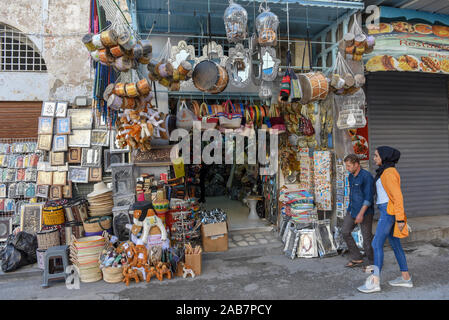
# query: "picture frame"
[[74, 155], [100, 138], [100, 122], [113, 148], [78, 174], [61, 109], [60, 143], [48, 109], [112, 158], [59, 178], [31, 174], [45, 125], [6, 227], [31, 218], [95, 174], [63, 126], [44, 142], [42, 191], [81, 118], [67, 190], [44, 178], [3, 190], [55, 193], [57, 158], [79, 138], [91, 157]]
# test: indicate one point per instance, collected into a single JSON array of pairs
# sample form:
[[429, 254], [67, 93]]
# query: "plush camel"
[[152, 272], [129, 274], [162, 270]]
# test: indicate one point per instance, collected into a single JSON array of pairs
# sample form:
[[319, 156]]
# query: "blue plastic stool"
[[53, 253]]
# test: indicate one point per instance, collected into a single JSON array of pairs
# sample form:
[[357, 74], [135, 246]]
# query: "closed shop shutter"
[[409, 111], [19, 119]]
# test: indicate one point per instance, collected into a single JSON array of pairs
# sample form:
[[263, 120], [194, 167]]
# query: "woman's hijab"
[[390, 156]]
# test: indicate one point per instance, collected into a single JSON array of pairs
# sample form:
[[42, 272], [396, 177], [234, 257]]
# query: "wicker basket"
[[48, 238], [112, 275], [97, 224], [53, 215]]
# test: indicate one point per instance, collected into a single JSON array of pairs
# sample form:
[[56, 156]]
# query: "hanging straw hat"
[[99, 188]]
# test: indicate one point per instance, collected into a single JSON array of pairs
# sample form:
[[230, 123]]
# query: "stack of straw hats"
[[84, 254], [100, 200]]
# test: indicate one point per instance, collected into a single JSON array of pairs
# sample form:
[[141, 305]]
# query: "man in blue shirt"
[[360, 211]]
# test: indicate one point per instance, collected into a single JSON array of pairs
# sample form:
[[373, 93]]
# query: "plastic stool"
[[52, 253]]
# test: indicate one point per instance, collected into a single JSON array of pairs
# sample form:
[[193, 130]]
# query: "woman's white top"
[[382, 196]]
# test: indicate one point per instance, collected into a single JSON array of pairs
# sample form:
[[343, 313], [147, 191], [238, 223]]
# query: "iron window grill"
[[18, 52]]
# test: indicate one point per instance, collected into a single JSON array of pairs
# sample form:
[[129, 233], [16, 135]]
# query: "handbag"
[[228, 119], [405, 231], [208, 120], [276, 121], [184, 117]]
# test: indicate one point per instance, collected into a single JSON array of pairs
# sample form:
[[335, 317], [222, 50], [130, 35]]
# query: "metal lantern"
[[235, 19], [267, 24]]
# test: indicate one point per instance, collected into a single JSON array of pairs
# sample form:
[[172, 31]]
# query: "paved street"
[[261, 272]]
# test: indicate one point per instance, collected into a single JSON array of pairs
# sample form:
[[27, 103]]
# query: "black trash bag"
[[27, 243], [12, 259]]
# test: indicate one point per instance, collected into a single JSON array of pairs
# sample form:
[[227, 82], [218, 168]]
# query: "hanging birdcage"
[[235, 19], [267, 24]]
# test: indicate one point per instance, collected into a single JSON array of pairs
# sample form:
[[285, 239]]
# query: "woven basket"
[[53, 215], [112, 275], [48, 238], [97, 224]]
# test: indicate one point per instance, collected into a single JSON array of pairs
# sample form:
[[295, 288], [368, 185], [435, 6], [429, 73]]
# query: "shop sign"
[[409, 40], [360, 143]]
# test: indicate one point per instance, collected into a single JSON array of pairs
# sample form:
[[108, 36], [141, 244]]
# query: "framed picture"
[[59, 178], [61, 109], [44, 142], [63, 126], [100, 122], [42, 191], [91, 157], [67, 190], [48, 109], [100, 138], [45, 125], [57, 158], [157, 156], [55, 192], [81, 118], [5, 228], [60, 143], [31, 175], [113, 146], [80, 138], [31, 218], [64, 168], [44, 177], [95, 174], [30, 191], [74, 155], [2, 190], [78, 174]]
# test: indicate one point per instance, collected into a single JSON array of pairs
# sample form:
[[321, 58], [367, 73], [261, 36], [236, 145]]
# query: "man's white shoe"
[[370, 286]]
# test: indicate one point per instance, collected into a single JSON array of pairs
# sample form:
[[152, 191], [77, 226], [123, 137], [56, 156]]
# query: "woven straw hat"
[[99, 188]]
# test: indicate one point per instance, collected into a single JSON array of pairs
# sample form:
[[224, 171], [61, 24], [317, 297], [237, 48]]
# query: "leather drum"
[[144, 87], [210, 77], [117, 51], [314, 87], [108, 38], [119, 89], [131, 90]]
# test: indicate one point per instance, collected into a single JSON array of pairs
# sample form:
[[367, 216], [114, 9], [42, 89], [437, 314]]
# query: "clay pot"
[[119, 89], [131, 90], [127, 41], [105, 57], [117, 51], [109, 38]]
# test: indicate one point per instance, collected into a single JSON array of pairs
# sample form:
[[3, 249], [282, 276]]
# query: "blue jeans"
[[385, 228]]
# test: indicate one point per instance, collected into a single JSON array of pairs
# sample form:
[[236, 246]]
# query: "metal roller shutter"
[[409, 111]]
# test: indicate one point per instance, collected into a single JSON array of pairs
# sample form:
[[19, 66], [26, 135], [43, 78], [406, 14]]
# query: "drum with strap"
[[209, 76], [314, 86]]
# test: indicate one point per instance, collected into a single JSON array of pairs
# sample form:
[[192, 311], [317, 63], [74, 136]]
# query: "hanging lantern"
[[267, 24], [235, 19]]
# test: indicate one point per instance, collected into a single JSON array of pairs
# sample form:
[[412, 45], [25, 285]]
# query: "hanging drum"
[[314, 87], [209, 76]]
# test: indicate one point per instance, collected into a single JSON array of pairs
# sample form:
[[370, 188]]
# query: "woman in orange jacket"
[[391, 206]]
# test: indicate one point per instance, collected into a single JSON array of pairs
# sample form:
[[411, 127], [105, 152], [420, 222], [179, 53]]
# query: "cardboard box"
[[214, 237], [194, 261]]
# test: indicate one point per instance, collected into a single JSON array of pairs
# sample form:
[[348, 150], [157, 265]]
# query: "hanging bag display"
[[208, 120], [230, 119], [277, 122], [184, 117]]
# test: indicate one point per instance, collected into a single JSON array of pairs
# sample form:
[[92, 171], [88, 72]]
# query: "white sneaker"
[[369, 286], [400, 282]]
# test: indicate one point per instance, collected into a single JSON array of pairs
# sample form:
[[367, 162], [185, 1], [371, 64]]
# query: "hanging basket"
[[53, 215]]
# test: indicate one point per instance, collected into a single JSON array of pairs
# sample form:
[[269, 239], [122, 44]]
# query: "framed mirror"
[[239, 66], [182, 52], [215, 51], [269, 64]]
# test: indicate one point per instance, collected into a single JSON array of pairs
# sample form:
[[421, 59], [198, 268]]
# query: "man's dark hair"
[[352, 158]]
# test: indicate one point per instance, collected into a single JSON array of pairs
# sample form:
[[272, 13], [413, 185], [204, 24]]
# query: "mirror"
[[182, 52], [239, 66], [215, 51], [269, 64]]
